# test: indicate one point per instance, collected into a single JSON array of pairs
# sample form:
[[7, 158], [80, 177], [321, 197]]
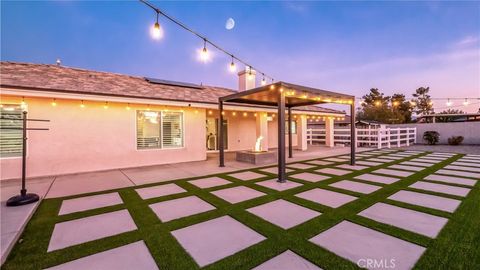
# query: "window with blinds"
[[159, 129], [10, 140], [172, 129]]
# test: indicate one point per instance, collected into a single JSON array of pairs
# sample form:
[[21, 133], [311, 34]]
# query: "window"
[[294, 127], [159, 129], [10, 140]]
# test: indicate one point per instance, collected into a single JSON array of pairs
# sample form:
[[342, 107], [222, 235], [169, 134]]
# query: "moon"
[[230, 24]]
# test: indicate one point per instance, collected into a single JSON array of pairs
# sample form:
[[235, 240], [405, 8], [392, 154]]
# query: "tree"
[[401, 108], [390, 110], [448, 118], [423, 102]]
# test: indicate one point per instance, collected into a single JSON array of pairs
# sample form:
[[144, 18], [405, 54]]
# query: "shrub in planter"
[[431, 137], [455, 140]]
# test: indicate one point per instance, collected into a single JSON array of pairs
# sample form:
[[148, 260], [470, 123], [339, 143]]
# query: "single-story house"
[[103, 120]]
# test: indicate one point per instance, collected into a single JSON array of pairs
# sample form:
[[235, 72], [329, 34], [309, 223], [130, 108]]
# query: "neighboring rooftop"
[[54, 78]]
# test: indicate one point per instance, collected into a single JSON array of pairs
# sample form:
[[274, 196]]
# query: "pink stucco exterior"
[[94, 138]]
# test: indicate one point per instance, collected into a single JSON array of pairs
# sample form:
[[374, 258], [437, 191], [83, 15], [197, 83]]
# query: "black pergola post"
[[220, 135], [290, 150], [353, 142], [281, 138]]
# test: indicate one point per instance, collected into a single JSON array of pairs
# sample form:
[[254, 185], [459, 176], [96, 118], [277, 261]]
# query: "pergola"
[[285, 96]]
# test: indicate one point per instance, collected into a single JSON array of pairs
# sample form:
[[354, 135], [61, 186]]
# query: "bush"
[[455, 140], [431, 137]]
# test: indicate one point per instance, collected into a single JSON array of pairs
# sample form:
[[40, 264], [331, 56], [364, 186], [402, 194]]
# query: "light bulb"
[[377, 103], [156, 31], [232, 66], [105, 106], [204, 55], [82, 105], [263, 82], [54, 103], [128, 107], [449, 103], [465, 103]]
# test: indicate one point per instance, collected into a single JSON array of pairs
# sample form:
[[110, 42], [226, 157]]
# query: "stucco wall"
[[469, 130], [94, 138]]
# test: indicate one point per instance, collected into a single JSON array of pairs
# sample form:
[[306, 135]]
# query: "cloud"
[[298, 7], [467, 41]]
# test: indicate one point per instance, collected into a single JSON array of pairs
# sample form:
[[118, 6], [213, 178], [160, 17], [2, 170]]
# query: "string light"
[[105, 106], [449, 103], [377, 103], [234, 113], [128, 107], [465, 103], [413, 103], [210, 112], [395, 103], [233, 68], [245, 114], [82, 105], [54, 102], [250, 75], [156, 31], [263, 82], [430, 103]]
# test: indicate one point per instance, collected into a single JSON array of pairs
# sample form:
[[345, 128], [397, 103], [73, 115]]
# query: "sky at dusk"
[[348, 47]]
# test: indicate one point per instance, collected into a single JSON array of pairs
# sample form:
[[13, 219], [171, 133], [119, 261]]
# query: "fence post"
[[379, 138], [408, 136]]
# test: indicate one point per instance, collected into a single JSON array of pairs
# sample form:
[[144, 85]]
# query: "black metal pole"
[[24, 197], [352, 134], [220, 135], [282, 178], [23, 191], [290, 150]]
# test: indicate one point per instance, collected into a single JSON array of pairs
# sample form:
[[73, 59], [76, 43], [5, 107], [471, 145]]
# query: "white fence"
[[378, 138]]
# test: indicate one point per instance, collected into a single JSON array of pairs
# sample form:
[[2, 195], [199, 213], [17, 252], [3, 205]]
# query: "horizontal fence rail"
[[367, 137]]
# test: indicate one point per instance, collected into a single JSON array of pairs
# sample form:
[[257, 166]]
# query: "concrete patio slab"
[[155, 174], [131, 256], [439, 158], [426, 200], [468, 164], [393, 172], [377, 178], [380, 160], [410, 220], [300, 166], [274, 170], [238, 194], [179, 208], [76, 184], [246, 176], [310, 177], [446, 189], [273, 184], [406, 168], [462, 168], [215, 239], [283, 213], [159, 191], [357, 244], [459, 173], [418, 164], [319, 162], [355, 186], [89, 202], [368, 163], [209, 182], [87, 229], [392, 157], [335, 159], [424, 160], [333, 171], [326, 197], [287, 260], [352, 167], [451, 179]]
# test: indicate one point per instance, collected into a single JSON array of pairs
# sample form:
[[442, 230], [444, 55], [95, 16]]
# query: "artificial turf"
[[456, 247]]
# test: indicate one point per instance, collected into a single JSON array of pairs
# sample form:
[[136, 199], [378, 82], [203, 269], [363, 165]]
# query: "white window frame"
[[182, 116]]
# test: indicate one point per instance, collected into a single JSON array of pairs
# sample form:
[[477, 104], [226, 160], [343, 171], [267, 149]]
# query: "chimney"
[[246, 79]]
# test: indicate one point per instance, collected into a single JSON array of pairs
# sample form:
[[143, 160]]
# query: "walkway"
[[13, 219]]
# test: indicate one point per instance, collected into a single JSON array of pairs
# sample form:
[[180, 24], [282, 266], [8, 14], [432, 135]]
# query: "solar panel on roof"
[[173, 83]]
